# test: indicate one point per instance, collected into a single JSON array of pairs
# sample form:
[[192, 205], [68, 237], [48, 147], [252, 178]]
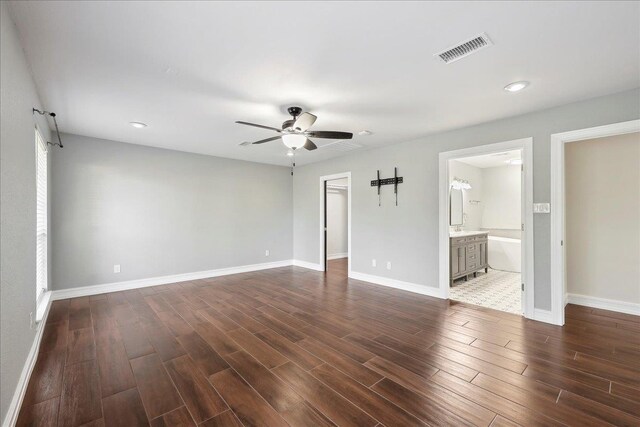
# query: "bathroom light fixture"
[[138, 125], [460, 184], [514, 162], [516, 86], [294, 140]]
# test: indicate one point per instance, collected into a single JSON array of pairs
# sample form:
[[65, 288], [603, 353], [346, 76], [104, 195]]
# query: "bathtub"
[[504, 254]]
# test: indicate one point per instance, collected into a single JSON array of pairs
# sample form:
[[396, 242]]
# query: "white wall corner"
[[545, 316], [21, 388], [398, 284], [605, 304], [306, 264]]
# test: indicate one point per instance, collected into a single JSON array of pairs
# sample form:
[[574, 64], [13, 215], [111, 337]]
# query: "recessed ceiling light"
[[138, 125], [365, 132], [516, 86], [290, 153]]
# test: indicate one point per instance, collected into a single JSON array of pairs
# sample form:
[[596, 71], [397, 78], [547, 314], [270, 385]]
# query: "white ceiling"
[[491, 160], [190, 69]]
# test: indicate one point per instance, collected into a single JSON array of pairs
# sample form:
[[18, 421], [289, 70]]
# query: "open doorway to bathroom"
[[486, 230], [486, 216]]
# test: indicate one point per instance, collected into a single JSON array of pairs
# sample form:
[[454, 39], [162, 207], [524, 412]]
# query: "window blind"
[[41, 215]]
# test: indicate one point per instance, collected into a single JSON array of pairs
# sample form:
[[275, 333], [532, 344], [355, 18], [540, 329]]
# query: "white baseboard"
[[21, 388], [398, 284], [337, 256], [605, 304], [163, 280], [309, 265], [541, 315]]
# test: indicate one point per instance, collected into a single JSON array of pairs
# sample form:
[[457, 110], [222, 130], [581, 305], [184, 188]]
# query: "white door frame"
[[526, 145], [321, 228], [558, 262]]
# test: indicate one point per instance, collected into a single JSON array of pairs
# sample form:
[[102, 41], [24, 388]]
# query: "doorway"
[[486, 239], [335, 224], [559, 291]]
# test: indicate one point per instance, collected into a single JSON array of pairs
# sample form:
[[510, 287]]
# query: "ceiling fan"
[[295, 132]]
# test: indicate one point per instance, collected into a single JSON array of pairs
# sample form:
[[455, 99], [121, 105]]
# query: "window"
[[41, 215]]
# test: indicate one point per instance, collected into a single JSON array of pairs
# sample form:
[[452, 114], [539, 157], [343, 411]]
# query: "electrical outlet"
[[373, 263], [266, 253], [116, 268], [388, 265]]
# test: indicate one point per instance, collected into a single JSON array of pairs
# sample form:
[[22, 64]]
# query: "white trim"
[[42, 305], [321, 227], [542, 315], [338, 256], [306, 264], [21, 388], [163, 280], [526, 145], [558, 285], [605, 304], [398, 284]]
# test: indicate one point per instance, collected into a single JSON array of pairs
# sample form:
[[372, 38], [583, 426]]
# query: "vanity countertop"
[[466, 233]]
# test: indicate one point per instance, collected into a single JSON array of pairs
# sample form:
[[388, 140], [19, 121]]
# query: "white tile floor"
[[496, 289]]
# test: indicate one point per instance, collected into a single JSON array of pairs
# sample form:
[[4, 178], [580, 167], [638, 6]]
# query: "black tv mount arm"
[[388, 181], [53, 116]]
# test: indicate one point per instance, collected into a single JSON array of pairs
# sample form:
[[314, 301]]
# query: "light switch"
[[541, 208], [116, 268]]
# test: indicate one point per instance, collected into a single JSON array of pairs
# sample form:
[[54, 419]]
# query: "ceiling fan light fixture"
[[294, 140]]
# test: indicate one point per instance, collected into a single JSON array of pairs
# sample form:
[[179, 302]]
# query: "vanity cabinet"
[[468, 255]]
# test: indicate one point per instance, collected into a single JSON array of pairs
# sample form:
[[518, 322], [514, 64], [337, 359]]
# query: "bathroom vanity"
[[467, 254]]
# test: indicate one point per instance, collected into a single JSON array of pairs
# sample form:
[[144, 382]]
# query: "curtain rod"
[[53, 115]]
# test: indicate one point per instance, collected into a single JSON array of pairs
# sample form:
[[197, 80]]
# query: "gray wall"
[[159, 212], [407, 235], [17, 207]]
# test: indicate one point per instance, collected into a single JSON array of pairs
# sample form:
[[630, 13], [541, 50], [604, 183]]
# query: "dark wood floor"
[[293, 346]]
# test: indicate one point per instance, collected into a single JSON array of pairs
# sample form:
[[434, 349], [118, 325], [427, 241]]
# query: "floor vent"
[[465, 48]]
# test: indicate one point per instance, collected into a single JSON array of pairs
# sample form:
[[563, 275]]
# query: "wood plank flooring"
[[291, 346]]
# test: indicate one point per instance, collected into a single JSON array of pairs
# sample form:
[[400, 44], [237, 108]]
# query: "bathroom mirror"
[[455, 207]]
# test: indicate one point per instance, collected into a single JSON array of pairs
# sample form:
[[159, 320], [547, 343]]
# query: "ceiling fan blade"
[[244, 144], [259, 126], [309, 145], [330, 134], [304, 121], [262, 141]]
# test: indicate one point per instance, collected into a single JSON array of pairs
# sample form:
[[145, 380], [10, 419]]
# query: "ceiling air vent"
[[465, 48], [341, 146]]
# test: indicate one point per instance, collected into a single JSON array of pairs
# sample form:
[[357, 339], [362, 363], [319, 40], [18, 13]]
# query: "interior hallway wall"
[[602, 178], [407, 235]]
